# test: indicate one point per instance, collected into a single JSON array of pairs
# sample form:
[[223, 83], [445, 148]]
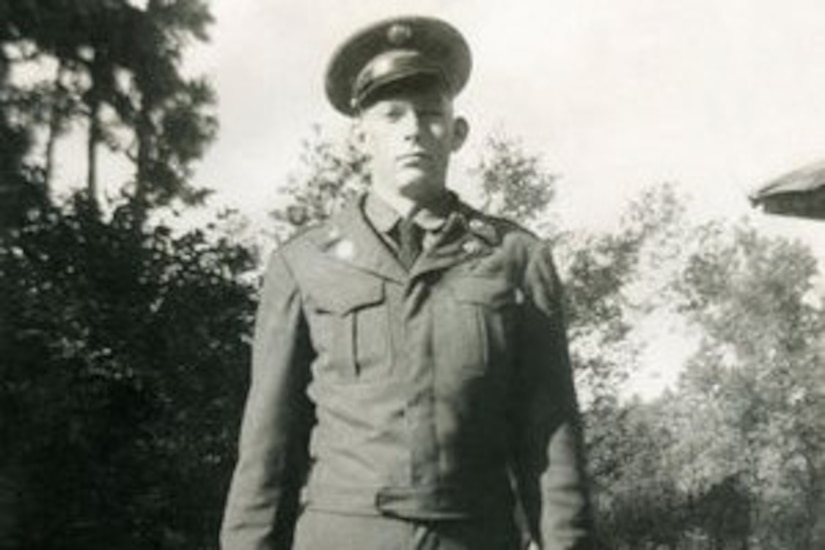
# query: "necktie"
[[410, 236]]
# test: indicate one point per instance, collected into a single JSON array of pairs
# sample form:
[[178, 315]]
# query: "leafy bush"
[[123, 368]]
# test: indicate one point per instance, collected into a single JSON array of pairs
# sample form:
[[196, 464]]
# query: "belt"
[[424, 503]]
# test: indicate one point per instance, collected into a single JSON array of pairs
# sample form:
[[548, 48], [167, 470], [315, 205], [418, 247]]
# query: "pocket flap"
[[347, 296], [485, 291]]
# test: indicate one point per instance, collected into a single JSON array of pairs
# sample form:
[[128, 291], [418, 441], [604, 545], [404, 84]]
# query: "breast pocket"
[[482, 321], [349, 328]]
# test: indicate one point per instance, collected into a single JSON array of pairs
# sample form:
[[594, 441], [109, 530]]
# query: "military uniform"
[[412, 394], [409, 406]]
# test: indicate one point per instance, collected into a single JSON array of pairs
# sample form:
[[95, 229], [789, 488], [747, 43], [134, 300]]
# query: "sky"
[[716, 96]]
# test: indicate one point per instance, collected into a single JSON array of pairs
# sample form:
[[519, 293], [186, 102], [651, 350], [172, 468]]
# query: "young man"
[[411, 387]]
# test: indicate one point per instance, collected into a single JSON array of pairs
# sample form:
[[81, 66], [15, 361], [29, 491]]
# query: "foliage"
[[331, 174], [640, 503], [513, 182], [116, 68], [732, 457], [124, 365], [760, 367], [18, 189], [124, 347]]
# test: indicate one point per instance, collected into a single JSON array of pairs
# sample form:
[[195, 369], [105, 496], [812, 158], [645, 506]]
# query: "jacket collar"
[[384, 217], [348, 237], [467, 235]]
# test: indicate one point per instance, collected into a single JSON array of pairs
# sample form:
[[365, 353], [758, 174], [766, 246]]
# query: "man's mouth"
[[414, 157]]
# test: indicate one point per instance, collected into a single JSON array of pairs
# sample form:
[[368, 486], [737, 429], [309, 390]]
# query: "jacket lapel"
[[465, 236], [348, 238]]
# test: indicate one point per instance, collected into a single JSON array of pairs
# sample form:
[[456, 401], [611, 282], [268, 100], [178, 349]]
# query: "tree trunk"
[[55, 126], [91, 151], [93, 101], [143, 132]]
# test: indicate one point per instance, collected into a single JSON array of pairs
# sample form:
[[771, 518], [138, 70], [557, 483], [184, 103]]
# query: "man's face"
[[409, 134]]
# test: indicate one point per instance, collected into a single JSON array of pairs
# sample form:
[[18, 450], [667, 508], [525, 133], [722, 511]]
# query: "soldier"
[[411, 386]]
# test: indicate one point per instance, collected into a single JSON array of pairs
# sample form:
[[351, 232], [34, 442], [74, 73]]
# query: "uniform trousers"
[[321, 530]]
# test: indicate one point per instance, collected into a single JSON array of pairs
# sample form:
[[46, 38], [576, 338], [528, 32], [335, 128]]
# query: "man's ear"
[[461, 129]]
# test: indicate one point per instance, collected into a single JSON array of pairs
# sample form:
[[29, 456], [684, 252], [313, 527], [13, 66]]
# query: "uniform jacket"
[[442, 392]]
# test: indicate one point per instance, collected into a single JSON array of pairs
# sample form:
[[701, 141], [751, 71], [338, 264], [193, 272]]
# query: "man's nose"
[[411, 125]]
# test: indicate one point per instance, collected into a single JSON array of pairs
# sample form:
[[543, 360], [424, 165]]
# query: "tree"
[[330, 173], [613, 282], [514, 183], [19, 187], [123, 344], [121, 381], [730, 457], [118, 67], [642, 504], [760, 366], [171, 125]]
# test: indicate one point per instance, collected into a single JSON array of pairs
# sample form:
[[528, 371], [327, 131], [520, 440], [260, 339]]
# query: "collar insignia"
[[344, 250]]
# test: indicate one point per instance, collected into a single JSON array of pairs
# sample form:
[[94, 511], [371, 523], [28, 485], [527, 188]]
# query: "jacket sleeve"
[[547, 443], [263, 497]]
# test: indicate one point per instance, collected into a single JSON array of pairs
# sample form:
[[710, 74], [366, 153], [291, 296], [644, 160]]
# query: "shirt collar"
[[384, 217]]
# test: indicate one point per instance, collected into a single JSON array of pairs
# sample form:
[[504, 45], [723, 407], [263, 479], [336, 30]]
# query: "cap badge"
[[398, 34]]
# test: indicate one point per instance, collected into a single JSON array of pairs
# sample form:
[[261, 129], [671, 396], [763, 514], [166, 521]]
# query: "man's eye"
[[391, 113]]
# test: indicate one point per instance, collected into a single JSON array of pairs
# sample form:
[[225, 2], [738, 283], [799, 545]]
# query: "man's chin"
[[421, 190]]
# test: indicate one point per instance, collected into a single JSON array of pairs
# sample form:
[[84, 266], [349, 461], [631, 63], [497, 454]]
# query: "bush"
[[124, 363]]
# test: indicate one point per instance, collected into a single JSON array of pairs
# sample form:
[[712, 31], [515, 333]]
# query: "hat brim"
[[433, 38]]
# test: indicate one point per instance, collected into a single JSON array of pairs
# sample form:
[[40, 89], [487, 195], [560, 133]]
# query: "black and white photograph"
[[412, 275]]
